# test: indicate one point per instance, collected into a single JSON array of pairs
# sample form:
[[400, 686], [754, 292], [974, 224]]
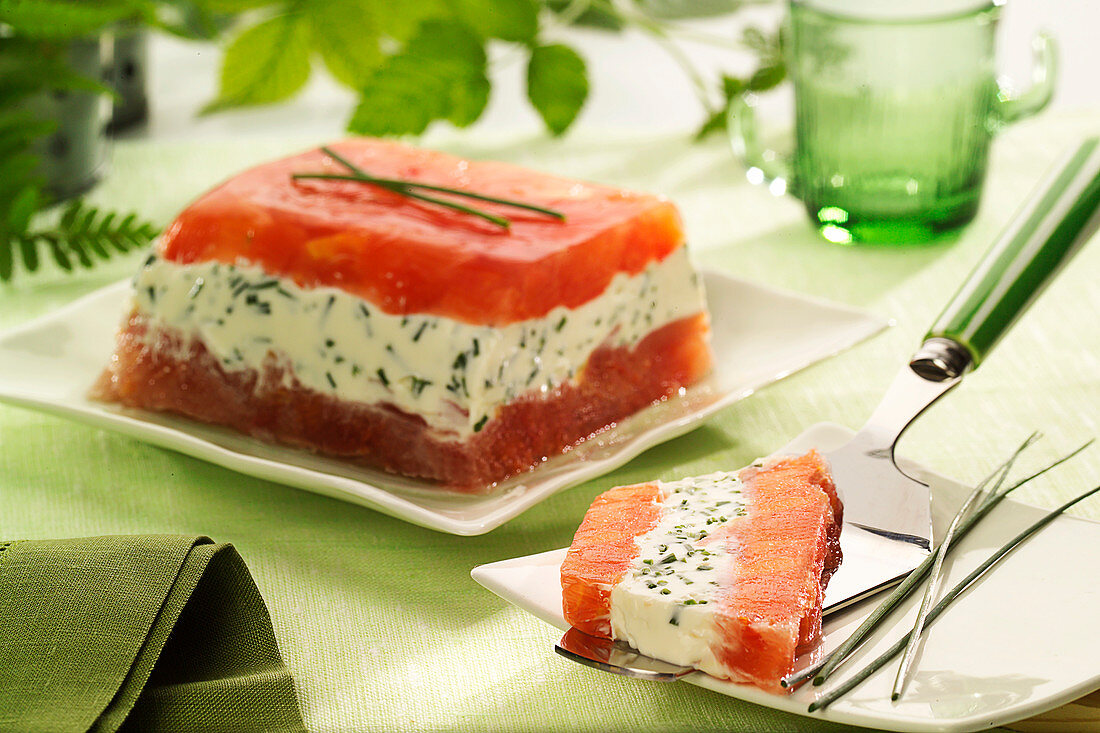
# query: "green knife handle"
[[1059, 218]]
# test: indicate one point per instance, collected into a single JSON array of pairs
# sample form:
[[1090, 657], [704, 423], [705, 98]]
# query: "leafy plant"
[[416, 63]]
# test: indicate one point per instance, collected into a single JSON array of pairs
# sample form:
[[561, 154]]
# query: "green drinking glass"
[[895, 108]]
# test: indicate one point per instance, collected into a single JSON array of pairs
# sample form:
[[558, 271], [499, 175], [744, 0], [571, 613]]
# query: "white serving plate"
[[760, 335], [1019, 642]]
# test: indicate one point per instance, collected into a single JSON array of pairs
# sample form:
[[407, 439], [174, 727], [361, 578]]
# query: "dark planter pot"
[[75, 154], [128, 74]]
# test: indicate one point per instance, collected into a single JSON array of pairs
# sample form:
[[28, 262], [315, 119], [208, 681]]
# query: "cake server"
[[887, 529], [887, 514]]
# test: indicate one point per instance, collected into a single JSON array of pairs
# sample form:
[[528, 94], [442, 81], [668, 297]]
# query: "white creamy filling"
[[451, 373], [661, 606]]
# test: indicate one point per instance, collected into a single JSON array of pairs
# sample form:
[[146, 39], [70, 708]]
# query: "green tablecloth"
[[379, 621]]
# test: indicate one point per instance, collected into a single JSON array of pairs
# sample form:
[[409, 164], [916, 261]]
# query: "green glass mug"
[[894, 114]]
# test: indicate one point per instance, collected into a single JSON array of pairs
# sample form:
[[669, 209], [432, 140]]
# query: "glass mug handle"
[[765, 165], [1012, 107]]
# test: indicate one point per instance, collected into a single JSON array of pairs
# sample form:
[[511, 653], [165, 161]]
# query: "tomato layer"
[[186, 378], [602, 551], [408, 256], [786, 551]]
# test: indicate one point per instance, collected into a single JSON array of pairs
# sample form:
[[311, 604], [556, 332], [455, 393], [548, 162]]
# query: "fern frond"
[[83, 236], [59, 255], [29, 252]]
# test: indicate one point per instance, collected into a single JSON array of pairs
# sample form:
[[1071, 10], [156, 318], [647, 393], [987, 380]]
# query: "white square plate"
[[1021, 641], [760, 335]]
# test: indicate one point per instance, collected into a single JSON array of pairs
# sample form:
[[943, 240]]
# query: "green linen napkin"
[[140, 632]]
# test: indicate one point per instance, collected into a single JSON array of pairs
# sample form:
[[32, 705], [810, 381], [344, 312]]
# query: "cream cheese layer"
[[663, 605], [453, 374]]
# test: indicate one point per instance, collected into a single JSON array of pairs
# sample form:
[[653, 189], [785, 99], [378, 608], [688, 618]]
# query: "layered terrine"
[[354, 320], [724, 572]]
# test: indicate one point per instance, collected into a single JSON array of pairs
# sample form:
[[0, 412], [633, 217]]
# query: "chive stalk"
[[405, 188], [833, 695], [821, 671], [935, 575], [916, 576]]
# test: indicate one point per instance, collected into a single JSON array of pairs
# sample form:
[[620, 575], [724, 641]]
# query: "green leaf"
[[127, 236], [76, 246], [508, 20], [402, 20], [346, 34], [714, 123], [266, 63], [468, 100], [68, 216], [59, 255], [390, 106], [83, 223], [29, 251], [62, 19], [557, 85], [17, 173], [767, 77], [18, 168], [732, 86], [18, 129], [440, 74], [96, 242], [7, 245], [21, 210], [30, 66], [20, 185]]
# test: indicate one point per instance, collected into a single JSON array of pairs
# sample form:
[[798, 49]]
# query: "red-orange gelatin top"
[[408, 256]]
